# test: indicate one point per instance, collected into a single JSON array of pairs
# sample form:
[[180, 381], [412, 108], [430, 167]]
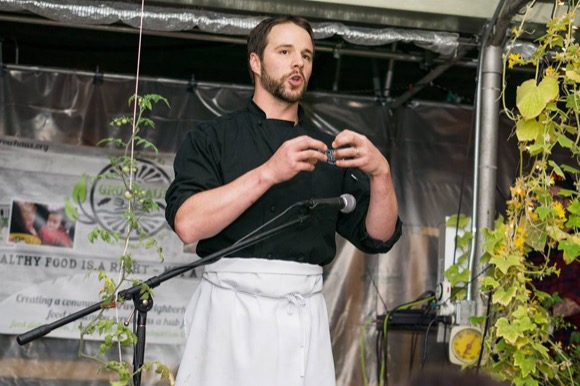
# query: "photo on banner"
[[37, 223]]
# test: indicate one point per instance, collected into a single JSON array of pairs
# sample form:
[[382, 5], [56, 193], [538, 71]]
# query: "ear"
[[255, 64]]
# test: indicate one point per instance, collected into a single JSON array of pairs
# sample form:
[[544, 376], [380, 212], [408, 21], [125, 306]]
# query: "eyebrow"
[[292, 46]]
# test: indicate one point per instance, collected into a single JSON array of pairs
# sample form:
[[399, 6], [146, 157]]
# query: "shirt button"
[[259, 123], [269, 256], [273, 208], [301, 258]]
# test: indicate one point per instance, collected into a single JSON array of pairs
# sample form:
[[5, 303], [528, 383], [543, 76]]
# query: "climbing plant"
[[519, 347], [138, 204]]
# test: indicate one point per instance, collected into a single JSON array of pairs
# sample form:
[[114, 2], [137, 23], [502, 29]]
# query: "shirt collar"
[[253, 108]]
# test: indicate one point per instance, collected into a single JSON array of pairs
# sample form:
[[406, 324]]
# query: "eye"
[[306, 57], [284, 52]]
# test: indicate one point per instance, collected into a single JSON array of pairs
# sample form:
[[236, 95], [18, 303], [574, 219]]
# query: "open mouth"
[[296, 80]]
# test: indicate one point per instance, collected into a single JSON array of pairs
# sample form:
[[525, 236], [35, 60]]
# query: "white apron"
[[256, 322]]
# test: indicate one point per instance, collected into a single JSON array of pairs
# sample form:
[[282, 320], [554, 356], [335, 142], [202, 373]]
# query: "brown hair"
[[258, 37]]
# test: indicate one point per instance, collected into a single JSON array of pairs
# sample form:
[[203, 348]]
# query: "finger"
[[344, 138], [305, 142], [312, 161], [307, 164], [347, 153], [313, 154], [350, 163]]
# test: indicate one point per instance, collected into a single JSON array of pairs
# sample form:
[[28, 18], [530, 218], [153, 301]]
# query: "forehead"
[[289, 34]]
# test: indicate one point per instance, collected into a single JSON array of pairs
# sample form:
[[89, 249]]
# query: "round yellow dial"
[[464, 344]]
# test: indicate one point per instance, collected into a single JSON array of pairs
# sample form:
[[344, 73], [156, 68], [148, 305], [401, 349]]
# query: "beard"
[[277, 88]]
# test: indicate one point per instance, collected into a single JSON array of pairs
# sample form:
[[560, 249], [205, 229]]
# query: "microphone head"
[[349, 203]]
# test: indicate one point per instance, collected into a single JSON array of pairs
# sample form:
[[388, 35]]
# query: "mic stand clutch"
[[144, 305]]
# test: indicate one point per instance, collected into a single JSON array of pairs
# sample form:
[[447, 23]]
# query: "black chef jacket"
[[217, 152]]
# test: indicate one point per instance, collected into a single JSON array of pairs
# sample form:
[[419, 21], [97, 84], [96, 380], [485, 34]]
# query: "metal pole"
[[487, 165], [479, 101]]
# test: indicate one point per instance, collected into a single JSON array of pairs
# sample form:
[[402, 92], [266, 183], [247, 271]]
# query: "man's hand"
[[355, 150], [294, 156]]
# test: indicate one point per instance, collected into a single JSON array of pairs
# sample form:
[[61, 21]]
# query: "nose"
[[297, 60]]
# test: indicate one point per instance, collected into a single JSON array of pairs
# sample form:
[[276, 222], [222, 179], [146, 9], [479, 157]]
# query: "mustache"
[[294, 73]]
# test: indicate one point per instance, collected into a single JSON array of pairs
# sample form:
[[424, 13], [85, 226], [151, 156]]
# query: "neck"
[[275, 108]]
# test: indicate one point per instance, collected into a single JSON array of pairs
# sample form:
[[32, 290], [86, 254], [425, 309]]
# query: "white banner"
[[48, 266]]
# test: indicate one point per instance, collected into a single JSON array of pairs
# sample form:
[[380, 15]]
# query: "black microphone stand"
[[142, 306]]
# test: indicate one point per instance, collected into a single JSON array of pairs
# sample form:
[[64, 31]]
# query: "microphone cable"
[[261, 227], [297, 204]]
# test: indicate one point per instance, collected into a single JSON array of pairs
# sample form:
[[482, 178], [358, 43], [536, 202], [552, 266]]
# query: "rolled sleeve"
[[196, 168]]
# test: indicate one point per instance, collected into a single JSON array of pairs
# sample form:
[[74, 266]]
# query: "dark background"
[[111, 52]]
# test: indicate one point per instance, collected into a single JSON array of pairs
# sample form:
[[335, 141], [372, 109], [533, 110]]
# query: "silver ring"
[[357, 152]]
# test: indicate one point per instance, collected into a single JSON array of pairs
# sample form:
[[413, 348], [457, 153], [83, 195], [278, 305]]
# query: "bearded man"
[[258, 317]]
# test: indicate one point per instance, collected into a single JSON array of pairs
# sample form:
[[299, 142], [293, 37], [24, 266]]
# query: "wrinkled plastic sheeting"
[[83, 118], [180, 19], [525, 49], [426, 145]]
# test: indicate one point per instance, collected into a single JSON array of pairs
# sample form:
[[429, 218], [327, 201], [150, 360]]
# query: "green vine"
[[518, 345], [115, 333], [459, 273]]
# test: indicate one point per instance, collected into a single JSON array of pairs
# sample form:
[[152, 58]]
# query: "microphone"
[[345, 203]]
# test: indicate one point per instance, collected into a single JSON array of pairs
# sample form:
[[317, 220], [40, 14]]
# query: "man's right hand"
[[294, 156]]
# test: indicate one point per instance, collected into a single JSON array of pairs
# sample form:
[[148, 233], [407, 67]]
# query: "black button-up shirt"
[[216, 152]]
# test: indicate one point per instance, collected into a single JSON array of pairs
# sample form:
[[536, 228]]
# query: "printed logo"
[[108, 203]]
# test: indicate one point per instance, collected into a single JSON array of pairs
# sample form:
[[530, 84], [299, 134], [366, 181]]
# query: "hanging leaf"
[[531, 99], [556, 169], [528, 130], [571, 250], [573, 222], [79, 194], [507, 331], [504, 296], [573, 76], [565, 142], [461, 221], [504, 264], [456, 274], [570, 169], [574, 207], [543, 212], [573, 102], [70, 210], [549, 88], [526, 363]]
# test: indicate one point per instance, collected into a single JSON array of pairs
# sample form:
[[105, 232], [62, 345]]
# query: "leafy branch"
[[138, 203], [519, 345]]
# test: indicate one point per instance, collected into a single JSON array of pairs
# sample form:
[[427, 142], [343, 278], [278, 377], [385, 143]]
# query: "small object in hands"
[[330, 156], [357, 152]]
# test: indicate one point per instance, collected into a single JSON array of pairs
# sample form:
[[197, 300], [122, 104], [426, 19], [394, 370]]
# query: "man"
[[258, 317]]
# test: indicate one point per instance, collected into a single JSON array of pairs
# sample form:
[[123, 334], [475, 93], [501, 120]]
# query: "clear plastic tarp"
[[429, 149], [158, 18]]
